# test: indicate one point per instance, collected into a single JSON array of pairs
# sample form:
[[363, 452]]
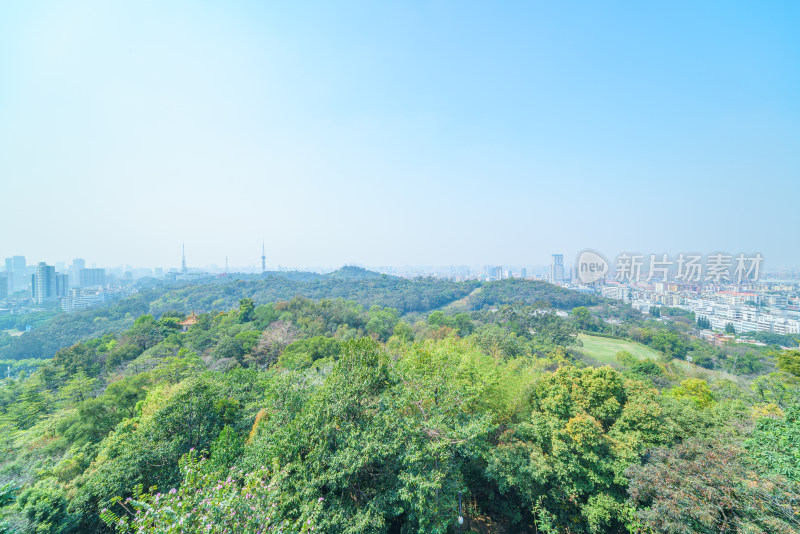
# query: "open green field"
[[14, 332], [604, 349]]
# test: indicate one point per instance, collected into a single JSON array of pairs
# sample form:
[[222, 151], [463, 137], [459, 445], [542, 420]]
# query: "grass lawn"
[[605, 349]]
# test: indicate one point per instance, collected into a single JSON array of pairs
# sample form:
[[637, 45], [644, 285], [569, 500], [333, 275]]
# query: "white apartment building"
[[743, 318]]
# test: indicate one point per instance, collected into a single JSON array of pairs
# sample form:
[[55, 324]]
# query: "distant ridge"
[[351, 272], [364, 287]]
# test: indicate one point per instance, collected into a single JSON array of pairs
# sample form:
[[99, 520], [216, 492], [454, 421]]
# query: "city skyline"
[[555, 269]]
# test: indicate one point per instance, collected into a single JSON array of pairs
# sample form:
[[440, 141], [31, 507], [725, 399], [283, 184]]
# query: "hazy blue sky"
[[397, 133]]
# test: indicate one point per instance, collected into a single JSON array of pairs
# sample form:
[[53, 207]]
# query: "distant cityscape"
[[770, 304], [25, 287]]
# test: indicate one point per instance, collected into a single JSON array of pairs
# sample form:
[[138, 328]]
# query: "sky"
[[397, 133]]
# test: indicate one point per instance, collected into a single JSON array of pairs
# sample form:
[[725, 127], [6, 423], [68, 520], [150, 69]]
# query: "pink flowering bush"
[[205, 503]]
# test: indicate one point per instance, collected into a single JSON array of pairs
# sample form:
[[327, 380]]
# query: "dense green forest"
[[53, 331], [294, 406]]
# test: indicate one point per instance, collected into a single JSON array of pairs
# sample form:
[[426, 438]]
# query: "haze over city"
[[380, 267], [390, 135]]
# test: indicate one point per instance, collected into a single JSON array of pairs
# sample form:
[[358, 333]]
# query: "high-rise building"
[[557, 268], [263, 259], [3, 286], [16, 271], [47, 284], [92, 277], [75, 270], [62, 284], [493, 272], [9, 274], [43, 283], [20, 274]]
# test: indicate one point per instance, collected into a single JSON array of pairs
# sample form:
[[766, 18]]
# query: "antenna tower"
[[263, 258], [183, 258]]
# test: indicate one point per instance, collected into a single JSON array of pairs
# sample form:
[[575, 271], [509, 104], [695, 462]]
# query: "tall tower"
[[17, 273], [183, 258], [557, 268], [43, 286], [263, 258]]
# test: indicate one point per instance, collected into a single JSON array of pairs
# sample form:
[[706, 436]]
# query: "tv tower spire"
[[183, 258], [263, 258]]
